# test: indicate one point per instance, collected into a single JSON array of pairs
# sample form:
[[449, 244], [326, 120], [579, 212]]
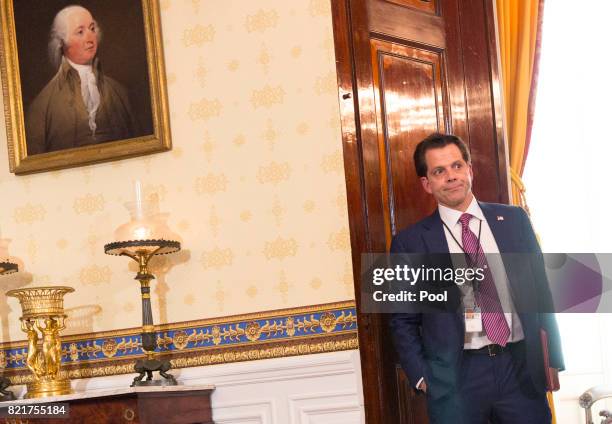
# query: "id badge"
[[473, 320]]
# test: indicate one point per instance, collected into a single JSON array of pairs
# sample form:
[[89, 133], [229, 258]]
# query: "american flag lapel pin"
[[500, 218]]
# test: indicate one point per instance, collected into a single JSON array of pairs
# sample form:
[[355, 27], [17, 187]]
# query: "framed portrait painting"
[[83, 82]]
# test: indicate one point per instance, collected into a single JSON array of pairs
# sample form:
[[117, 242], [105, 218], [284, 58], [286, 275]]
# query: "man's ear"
[[425, 184]]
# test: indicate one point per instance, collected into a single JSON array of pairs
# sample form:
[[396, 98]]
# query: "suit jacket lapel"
[[437, 245], [434, 237], [435, 240], [506, 240], [500, 228]]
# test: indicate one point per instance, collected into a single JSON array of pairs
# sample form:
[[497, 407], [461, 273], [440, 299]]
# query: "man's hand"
[[423, 386]]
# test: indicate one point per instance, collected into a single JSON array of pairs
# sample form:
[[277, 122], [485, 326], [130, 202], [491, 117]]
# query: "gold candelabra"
[[142, 251], [6, 268], [43, 319]]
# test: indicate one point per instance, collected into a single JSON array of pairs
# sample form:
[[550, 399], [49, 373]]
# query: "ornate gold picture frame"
[[54, 120]]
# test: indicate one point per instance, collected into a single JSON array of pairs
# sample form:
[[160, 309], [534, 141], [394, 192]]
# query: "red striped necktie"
[[493, 319]]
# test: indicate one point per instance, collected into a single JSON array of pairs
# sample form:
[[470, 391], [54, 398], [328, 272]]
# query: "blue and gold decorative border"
[[272, 334]]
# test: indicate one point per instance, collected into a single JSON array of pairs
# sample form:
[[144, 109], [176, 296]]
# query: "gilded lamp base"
[[46, 388]]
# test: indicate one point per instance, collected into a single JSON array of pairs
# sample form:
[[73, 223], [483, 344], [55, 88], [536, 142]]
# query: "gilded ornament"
[[73, 352], [109, 347], [233, 333], [331, 343], [214, 341], [42, 320], [164, 341], [216, 334], [180, 339], [290, 326], [253, 331], [327, 322]]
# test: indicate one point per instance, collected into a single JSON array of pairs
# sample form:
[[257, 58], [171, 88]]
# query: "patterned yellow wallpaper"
[[254, 184]]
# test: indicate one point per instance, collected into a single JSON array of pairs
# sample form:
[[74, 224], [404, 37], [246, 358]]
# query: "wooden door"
[[407, 68]]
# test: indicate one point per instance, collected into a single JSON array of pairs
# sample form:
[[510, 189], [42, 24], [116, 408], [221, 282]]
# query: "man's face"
[[449, 177], [82, 39]]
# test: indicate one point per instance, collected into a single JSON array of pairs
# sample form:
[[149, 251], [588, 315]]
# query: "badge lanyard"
[[467, 255], [472, 316]]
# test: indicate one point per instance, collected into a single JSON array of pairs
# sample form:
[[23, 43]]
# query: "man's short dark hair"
[[437, 141]]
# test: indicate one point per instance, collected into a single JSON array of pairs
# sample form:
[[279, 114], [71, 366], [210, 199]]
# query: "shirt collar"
[[451, 216], [68, 74], [81, 69]]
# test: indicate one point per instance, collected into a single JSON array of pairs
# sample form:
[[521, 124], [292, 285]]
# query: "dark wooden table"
[[150, 405]]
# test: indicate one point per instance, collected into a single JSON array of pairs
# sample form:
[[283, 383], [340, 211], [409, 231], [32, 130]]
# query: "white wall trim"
[[305, 407], [271, 391], [257, 411]]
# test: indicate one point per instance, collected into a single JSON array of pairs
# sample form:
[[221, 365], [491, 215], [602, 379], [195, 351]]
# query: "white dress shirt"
[[89, 92], [450, 217]]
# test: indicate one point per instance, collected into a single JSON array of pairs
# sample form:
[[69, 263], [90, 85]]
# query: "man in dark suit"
[[483, 363]]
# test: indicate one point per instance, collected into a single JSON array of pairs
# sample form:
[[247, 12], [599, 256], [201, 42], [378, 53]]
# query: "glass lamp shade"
[[146, 228], [150, 228]]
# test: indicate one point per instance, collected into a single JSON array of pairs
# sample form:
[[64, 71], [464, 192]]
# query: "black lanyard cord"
[[471, 261], [457, 241]]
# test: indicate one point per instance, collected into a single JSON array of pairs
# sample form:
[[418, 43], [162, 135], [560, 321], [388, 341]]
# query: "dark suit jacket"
[[430, 345]]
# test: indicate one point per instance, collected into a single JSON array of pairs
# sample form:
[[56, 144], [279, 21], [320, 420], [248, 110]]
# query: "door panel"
[[390, 19], [428, 6], [410, 104]]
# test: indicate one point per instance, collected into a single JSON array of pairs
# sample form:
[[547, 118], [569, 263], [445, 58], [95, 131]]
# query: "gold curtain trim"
[[551, 403], [518, 190]]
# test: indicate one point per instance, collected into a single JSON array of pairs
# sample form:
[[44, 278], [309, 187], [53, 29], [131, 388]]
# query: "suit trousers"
[[492, 390]]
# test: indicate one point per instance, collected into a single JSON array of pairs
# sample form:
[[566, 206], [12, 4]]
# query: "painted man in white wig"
[[80, 105]]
